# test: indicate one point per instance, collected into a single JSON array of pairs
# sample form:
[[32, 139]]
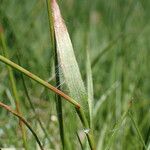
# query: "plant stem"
[[79, 141], [89, 133], [32, 105], [24, 121], [39, 80]]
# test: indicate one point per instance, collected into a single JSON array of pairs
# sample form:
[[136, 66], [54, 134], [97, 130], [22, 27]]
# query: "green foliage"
[[110, 40]]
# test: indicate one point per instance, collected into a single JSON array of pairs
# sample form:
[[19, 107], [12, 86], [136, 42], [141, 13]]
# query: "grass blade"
[[138, 130], [39, 80], [118, 124], [24, 121], [106, 49], [89, 86], [58, 82], [67, 59], [70, 69], [103, 98], [59, 105], [101, 138], [14, 90], [31, 104], [80, 141], [147, 140]]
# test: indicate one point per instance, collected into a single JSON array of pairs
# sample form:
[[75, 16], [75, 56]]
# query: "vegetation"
[[75, 73]]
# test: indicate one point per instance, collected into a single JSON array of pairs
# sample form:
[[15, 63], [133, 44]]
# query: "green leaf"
[[67, 60], [89, 85]]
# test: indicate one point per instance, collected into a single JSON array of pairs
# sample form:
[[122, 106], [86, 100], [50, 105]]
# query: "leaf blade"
[[67, 59]]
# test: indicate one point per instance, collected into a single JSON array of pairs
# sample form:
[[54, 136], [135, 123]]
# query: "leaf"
[[137, 130], [24, 121], [14, 89], [103, 98], [69, 68], [67, 60], [89, 85], [115, 129]]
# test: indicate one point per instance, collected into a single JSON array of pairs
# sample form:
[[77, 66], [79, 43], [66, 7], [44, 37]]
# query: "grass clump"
[[97, 59]]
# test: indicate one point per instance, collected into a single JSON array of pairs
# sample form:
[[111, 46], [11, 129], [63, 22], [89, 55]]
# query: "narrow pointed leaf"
[[67, 60], [89, 85], [24, 121]]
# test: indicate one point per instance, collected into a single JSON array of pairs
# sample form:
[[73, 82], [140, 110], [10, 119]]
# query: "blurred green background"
[[117, 34]]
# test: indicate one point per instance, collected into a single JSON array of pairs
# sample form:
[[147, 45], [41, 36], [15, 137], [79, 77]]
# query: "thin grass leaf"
[[148, 147], [103, 98], [80, 141], [31, 104], [147, 139], [138, 130], [24, 121], [101, 138], [117, 126], [106, 49], [10, 97], [14, 89], [59, 105], [89, 85]]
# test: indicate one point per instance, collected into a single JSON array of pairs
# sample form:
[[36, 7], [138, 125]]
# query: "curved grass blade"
[[106, 49], [118, 125], [24, 121], [31, 103], [103, 98], [14, 89], [138, 130]]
